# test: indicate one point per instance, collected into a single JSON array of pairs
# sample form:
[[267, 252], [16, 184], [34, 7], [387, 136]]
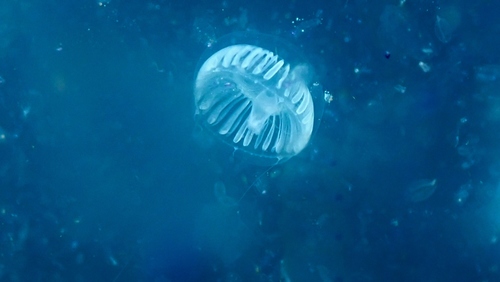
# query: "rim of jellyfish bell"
[[274, 43]]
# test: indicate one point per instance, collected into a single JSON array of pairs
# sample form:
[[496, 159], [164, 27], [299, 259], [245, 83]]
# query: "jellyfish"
[[258, 99]]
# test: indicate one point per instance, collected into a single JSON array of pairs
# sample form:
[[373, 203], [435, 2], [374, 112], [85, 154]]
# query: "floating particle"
[[427, 50], [421, 190], [328, 96], [487, 73], [400, 88], [301, 25], [425, 67], [442, 29], [3, 135]]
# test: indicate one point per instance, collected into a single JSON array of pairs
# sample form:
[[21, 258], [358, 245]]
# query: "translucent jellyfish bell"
[[256, 97]]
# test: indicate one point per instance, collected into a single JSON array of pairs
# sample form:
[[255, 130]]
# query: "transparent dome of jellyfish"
[[254, 95]]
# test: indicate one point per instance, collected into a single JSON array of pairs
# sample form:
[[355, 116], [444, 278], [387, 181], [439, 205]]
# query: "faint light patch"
[[112, 260], [59, 83], [25, 111], [463, 193], [394, 222], [400, 88], [421, 190], [221, 196], [3, 135], [74, 244], [79, 258]]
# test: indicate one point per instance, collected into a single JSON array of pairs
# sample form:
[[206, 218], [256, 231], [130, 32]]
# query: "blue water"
[[105, 175]]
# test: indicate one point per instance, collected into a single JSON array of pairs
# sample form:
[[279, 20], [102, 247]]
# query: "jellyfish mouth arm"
[[263, 106]]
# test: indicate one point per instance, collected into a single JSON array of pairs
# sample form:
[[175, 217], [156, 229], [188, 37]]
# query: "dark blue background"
[[105, 176]]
